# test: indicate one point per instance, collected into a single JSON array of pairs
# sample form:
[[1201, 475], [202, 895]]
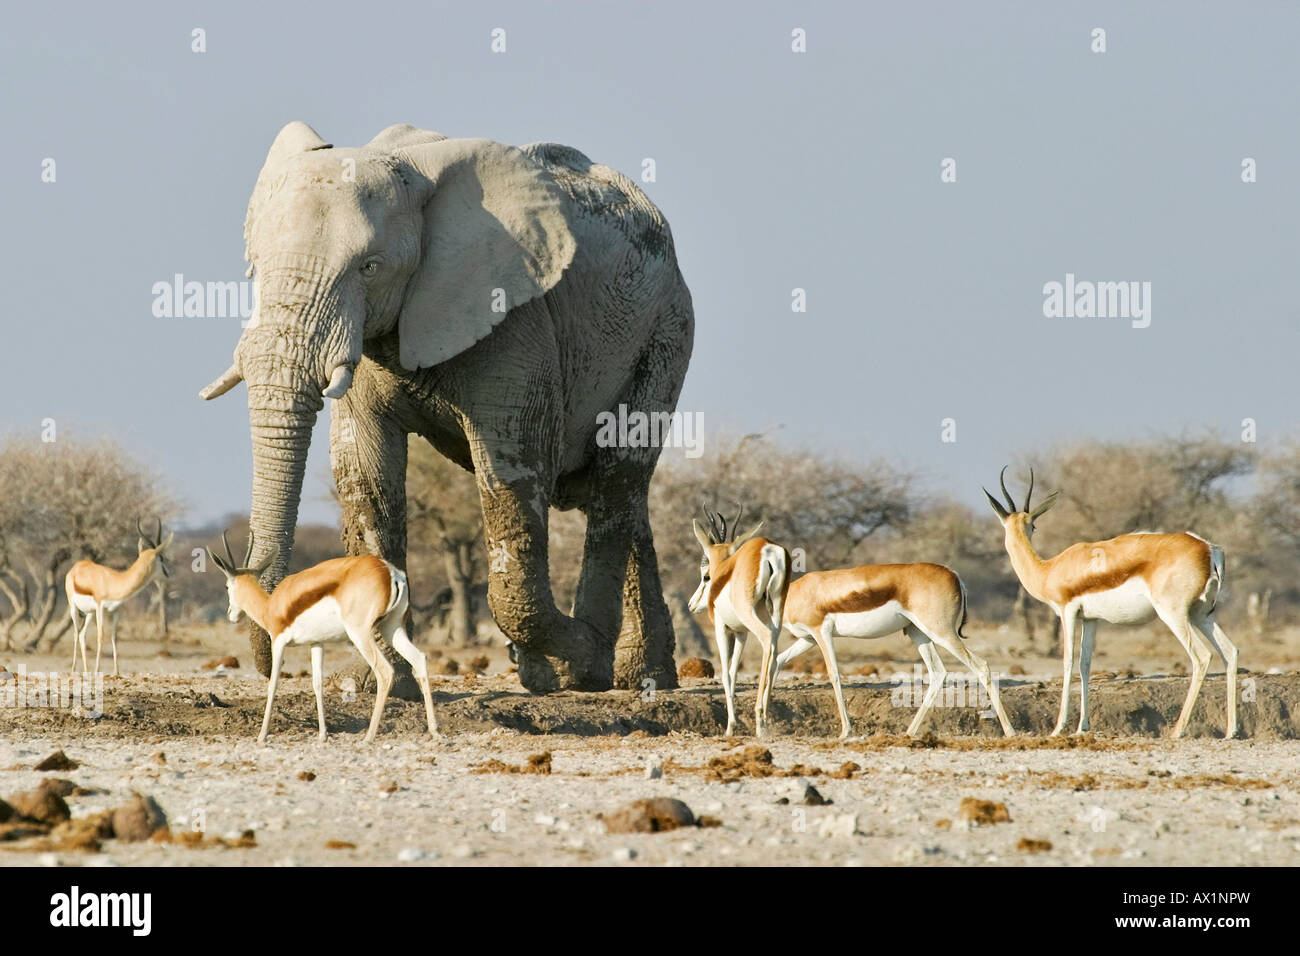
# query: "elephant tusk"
[[228, 380], [340, 382]]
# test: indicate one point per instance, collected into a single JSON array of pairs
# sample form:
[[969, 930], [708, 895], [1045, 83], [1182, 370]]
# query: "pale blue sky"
[[776, 170]]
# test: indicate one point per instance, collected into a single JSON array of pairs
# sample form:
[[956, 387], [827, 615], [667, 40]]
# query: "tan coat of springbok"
[[743, 581], [343, 599], [927, 602], [1128, 580], [95, 589]]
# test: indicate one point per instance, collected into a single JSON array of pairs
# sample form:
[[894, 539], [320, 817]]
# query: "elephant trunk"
[[280, 442], [301, 349]]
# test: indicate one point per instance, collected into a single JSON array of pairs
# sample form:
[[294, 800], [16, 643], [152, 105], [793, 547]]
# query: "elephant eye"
[[370, 267]]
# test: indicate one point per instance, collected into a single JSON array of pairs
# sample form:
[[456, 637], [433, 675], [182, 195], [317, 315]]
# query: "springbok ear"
[[167, 541], [221, 565], [295, 138], [742, 538], [701, 535], [496, 235], [1044, 506], [142, 545], [997, 505], [267, 561]]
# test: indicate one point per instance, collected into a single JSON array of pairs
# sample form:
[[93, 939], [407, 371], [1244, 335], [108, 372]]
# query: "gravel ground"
[[409, 800]]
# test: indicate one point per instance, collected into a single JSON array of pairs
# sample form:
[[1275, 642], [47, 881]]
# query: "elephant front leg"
[[555, 652], [368, 457], [620, 592]]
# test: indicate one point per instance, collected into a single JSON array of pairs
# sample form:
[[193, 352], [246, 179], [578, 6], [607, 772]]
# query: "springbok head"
[[239, 572], [1019, 518], [719, 542]]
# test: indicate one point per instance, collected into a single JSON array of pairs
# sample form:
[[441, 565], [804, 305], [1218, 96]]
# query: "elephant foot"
[[633, 672], [405, 686], [569, 656]]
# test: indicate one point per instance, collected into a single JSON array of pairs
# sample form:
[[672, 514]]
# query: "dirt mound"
[[982, 812], [695, 667], [42, 805], [536, 763], [140, 706]]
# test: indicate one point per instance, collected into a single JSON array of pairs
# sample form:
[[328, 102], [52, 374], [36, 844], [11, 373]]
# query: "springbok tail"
[[773, 580], [399, 595], [964, 607], [1218, 575]]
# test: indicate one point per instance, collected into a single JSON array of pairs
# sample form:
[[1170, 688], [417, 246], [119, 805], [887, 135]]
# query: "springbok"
[[337, 600], [93, 588], [743, 581], [1127, 581], [927, 602]]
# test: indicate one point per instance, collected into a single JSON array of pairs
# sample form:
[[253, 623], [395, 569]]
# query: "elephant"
[[493, 300]]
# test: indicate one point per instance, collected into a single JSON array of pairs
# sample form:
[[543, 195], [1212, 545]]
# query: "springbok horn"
[[144, 537], [158, 540], [735, 522], [230, 557], [1030, 493], [713, 523], [1002, 480], [228, 380]]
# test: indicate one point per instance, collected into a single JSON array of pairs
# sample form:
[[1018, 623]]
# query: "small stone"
[[139, 819], [411, 854], [57, 761], [654, 768], [545, 820], [809, 795], [655, 815], [624, 854]]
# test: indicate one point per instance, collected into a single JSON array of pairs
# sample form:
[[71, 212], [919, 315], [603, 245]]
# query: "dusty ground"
[[1124, 796]]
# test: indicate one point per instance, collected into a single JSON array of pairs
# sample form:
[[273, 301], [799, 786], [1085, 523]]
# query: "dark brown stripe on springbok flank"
[[306, 599], [1108, 580], [863, 599]]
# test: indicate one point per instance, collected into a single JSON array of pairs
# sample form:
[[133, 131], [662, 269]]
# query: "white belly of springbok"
[[322, 623], [1130, 603]]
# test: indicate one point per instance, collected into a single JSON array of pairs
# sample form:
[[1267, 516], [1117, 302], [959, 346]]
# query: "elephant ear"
[[295, 138], [401, 135], [496, 235]]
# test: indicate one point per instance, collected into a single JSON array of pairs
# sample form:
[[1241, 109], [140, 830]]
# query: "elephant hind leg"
[[555, 651], [620, 589]]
